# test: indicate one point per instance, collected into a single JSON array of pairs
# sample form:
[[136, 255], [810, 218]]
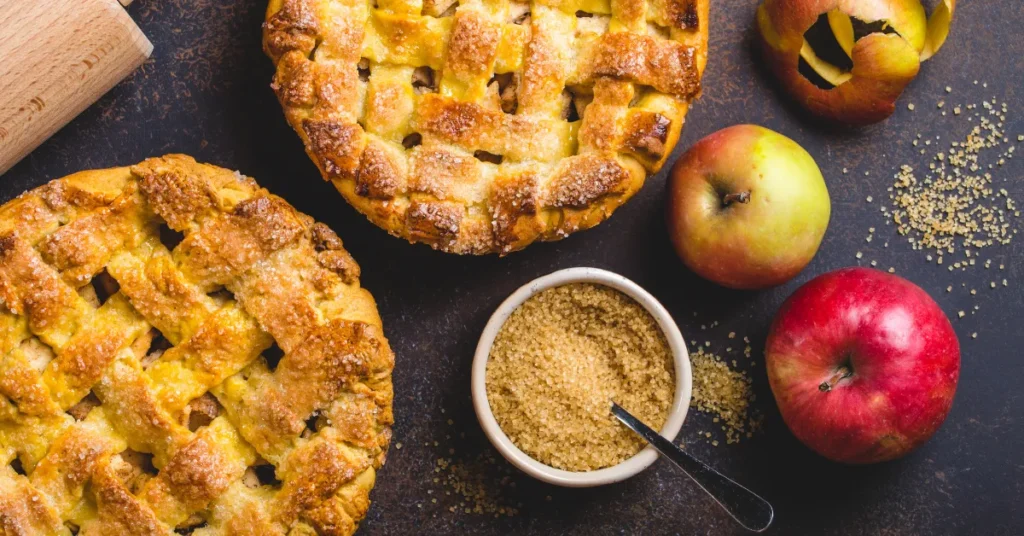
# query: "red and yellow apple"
[[863, 365], [747, 207], [877, 47]]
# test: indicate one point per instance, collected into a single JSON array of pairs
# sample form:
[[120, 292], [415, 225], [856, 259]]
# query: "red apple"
[[863, 365], [747, 207]]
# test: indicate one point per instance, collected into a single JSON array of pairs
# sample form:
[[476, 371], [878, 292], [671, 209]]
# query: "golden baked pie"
[[183, 351], [482, 126]]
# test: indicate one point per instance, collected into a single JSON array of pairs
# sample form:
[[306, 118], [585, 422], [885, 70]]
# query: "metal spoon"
[[746, 507]]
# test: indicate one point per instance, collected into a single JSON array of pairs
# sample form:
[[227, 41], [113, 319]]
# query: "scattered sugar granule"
[[724, 393]]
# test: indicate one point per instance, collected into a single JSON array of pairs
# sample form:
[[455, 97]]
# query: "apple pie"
[[483, 126], [183, 353]]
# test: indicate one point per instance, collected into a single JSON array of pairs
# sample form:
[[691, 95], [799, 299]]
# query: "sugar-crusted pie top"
[[181, 349], [483, 125]]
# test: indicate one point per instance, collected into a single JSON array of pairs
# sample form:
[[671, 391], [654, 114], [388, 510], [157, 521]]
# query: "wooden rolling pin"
[[56, 58]]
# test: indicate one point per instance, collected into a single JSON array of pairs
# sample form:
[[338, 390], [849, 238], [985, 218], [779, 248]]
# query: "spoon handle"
[[746, 507]]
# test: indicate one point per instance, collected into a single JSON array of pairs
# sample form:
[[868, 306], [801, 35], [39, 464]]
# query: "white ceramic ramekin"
[[608, 475]]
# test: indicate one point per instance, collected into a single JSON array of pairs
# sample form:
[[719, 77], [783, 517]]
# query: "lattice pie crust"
[[484, 125], [182, 349]]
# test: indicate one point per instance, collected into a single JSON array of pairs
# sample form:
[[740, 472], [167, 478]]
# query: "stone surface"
[[206, 92]]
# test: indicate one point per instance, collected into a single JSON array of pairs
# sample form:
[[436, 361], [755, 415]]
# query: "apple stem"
[[742, 197], [840, 374]]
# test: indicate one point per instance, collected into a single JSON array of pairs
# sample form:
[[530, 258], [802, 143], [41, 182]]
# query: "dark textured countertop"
[[206, 92]]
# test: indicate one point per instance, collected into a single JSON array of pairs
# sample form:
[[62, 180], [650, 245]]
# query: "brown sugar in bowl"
[[630, 466]]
